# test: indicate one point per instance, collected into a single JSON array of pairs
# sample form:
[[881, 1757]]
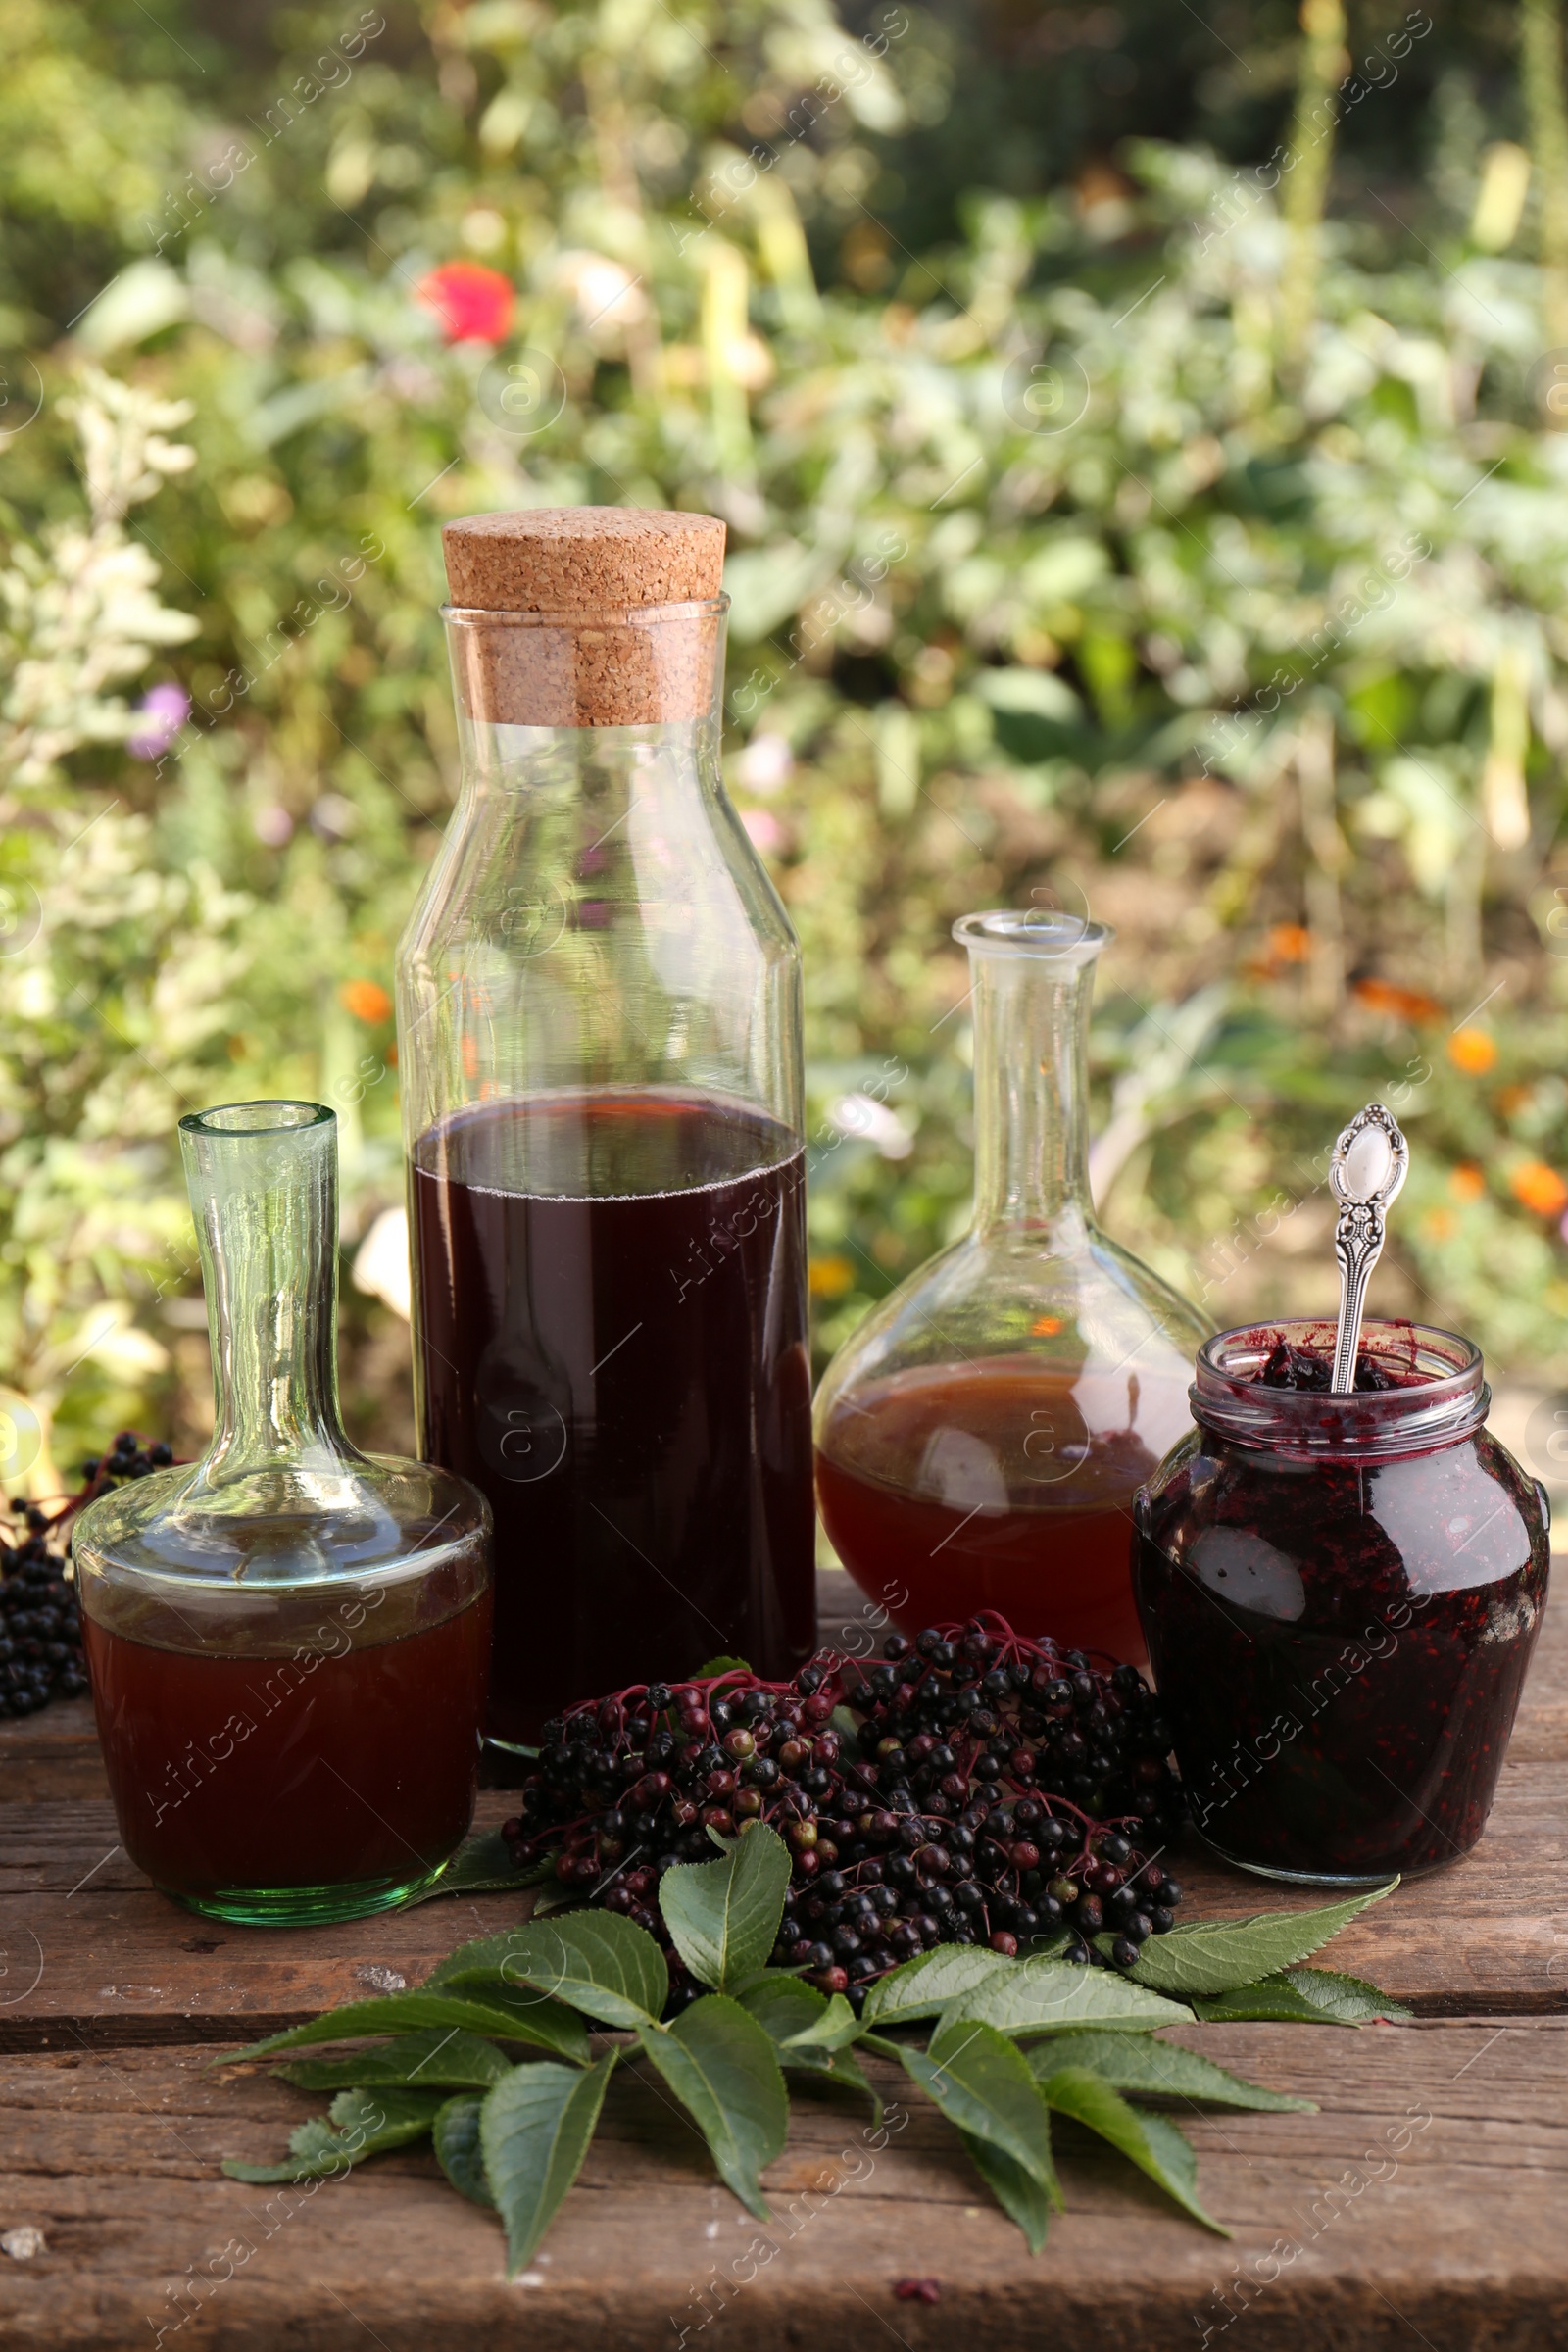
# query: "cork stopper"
[[576, 559], [557, 621]]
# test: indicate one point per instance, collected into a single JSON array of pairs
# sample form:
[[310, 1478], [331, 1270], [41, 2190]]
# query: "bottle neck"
[[265, 1199], [1031, 1091]]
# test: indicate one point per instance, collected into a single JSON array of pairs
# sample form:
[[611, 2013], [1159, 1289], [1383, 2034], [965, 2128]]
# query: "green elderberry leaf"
[[1047, 1995], [482, 1865], [924, 1986], [555, 1897], [981, 2082], [500, 2013], [790, 2014], [1220, 1955], [534, 2130], [711, 1668], [358, 2123], [1150, 2069], [444, 2059], [596, 1961], [1151, 2141], [1303, 1996], [456, 2134], [724, 1916], [1017, 2192], [719, 2062], [836, 2028]]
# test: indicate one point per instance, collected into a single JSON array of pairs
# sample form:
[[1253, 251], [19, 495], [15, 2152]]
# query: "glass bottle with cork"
[[599, 1008]]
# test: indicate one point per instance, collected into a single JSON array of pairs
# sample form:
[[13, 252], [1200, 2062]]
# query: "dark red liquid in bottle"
[[245, 1775], [997, 1485], [611, 1344]]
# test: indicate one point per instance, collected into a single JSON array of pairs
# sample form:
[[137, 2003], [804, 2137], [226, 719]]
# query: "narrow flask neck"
[[265, 1199], [1031, 1091]]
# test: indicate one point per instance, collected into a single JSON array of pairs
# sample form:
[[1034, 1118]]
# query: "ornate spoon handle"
[[1358, 1245], [1366, 1169]]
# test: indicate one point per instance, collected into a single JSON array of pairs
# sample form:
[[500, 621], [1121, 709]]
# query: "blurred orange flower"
[[1290, 942], [1406, 1003], [1539, 1188], [1440, 1224], [1046, 1327], [367, 1000], [830, 1277], [1473, 1052], [1512, 1099], [1467, 1182]]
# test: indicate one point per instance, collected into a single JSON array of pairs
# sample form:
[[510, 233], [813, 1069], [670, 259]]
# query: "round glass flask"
[[599, 1037], [980, 1436], [287, 1639]]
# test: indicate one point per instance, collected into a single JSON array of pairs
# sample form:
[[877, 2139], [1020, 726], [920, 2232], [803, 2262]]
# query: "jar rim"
[[1446, 1401]]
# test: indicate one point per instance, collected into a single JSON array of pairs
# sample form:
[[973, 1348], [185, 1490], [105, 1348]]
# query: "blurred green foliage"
[[1107, 528]]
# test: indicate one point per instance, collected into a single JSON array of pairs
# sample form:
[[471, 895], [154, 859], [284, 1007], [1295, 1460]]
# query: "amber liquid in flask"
[[980, 1436]]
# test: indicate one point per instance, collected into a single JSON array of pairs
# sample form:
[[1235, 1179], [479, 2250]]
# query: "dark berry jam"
[[1311, 1369], [1341, 1596]]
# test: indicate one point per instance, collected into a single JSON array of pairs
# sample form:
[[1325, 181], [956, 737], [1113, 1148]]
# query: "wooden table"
[[1425, 2205]]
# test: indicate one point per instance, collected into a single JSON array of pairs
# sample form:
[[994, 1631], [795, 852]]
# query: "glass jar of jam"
[[1341, 1595]]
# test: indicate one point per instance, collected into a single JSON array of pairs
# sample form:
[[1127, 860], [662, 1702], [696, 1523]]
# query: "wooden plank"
[[84, 1940], [1344, 2221], [51, 1754], [112, 2131], [88, 1942]]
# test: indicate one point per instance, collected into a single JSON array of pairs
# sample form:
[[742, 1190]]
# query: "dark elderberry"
[[948, 1807]]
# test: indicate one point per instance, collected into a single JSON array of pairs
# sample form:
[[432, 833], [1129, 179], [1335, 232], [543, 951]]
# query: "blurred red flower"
[[474, 303]]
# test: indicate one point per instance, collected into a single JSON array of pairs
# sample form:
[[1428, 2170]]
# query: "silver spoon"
[[1368, 1166]]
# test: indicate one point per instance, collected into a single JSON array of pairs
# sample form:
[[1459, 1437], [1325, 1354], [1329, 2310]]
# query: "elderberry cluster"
[[974, 1787], [128, 1457], [40, 1622], [40, 1631]]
